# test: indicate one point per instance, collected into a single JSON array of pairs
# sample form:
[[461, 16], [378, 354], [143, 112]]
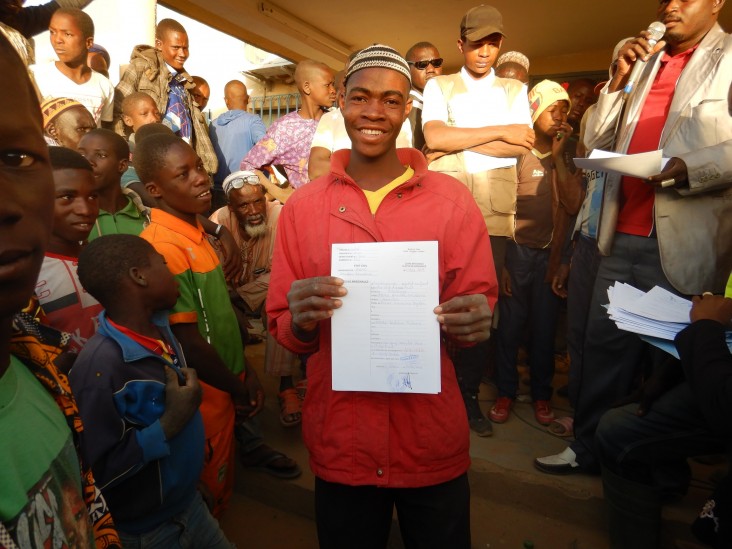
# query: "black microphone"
[[656, 31]]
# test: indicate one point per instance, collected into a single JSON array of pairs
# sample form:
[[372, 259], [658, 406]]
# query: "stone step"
[[511, 502]]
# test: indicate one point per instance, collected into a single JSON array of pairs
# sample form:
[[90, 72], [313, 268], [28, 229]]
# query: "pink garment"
[[287, 144]]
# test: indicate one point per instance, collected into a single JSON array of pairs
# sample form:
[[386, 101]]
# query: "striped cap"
[[51, 108], [379, 56]]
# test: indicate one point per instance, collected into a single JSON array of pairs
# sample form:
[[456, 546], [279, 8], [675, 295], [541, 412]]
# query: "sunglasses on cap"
[[422, 65], [239, 182]]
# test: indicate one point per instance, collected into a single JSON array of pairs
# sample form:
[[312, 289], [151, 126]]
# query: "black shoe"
[[478, 423]]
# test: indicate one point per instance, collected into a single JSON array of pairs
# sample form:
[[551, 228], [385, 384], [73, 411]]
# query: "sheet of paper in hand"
[[386, 337]]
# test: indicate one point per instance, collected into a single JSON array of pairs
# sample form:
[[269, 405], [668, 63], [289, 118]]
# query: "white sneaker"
[[563, 463]]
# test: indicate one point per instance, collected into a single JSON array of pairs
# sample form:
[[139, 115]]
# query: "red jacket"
[[361, 438]]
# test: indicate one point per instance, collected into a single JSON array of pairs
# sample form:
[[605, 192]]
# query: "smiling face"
[[480, 54], [687, 21], [181, 184], [75, 210], [375, 105], [70, 126], [26, 188], [100, 153], [174, 48], [68, 40]]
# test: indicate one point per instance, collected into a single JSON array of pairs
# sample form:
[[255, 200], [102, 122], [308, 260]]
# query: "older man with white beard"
[[252, 220]]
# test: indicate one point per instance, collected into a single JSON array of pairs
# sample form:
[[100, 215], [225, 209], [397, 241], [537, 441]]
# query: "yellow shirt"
[[375, 197]]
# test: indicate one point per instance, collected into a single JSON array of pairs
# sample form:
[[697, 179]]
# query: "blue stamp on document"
[[401, 382]]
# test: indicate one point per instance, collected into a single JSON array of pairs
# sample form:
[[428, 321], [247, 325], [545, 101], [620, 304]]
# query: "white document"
[[656, 316], [385, 337], [657, 313], [642, 165]]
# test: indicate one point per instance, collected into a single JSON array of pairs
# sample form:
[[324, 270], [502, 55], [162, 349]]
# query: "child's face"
[[98, 150], [143, 112], [76, 206], [26, 189], [182, 183], [174, 48], [67, 39], [162, 287], [70, 126], [551, 120]]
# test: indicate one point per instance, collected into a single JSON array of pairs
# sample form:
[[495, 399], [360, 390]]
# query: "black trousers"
[[359, 517]]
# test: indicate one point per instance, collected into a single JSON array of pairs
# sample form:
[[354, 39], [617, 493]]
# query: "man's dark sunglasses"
[[422, 65]]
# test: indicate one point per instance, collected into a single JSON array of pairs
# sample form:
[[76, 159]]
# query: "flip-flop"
[[290, 407], [267, 460], [562, 426]]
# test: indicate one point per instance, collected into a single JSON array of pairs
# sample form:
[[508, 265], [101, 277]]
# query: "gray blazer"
[[694, 224]]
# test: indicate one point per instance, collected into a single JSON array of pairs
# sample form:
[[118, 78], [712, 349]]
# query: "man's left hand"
[[466, 318], [674, 174]]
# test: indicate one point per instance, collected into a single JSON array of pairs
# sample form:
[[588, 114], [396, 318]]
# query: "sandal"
[[562, 426], [253, 339], [290, 408], [302, 388], [265, 459]]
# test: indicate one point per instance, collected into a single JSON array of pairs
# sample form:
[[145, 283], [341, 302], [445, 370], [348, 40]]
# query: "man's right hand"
[[312, 300], [630, 52], [519, 134], [181, 401], [711, 307]]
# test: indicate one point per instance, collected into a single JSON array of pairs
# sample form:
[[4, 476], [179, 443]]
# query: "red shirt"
[[636, 196]]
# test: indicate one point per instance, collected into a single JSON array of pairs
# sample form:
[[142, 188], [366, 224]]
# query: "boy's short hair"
[[106, 260], [83, 20], [168, 25], [154, 128], [133, 99], [150, 154], [119, 144], [67, 159]]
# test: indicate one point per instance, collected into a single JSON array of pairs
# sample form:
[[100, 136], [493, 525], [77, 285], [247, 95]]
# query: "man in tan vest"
[[479, 123]]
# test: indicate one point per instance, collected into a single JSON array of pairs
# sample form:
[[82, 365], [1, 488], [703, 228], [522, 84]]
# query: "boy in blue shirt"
[[139, 401]]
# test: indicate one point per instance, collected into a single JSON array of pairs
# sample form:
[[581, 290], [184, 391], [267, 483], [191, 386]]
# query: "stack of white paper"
[[657, 316]]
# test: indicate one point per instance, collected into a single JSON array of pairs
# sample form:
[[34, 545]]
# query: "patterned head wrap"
[[514, 57], [380, 56], [53, 107]]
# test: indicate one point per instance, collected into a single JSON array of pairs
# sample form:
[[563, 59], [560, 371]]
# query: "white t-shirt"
[[331, 133], [485, 104], [97, 94]]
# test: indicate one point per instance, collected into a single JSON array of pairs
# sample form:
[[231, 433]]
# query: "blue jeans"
[[249, 435], [585, 262], [531, 306], [612, 357], [651, 450], [194, 528]]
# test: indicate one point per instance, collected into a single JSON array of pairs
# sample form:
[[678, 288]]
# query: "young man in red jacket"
[[372, 451]]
